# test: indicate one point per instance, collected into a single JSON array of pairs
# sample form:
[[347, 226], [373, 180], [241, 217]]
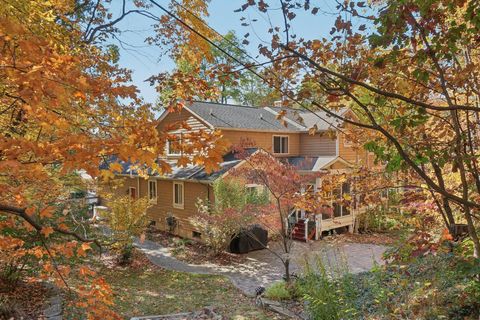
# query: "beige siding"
[[354, 154], [263, 140], [159, 211], [317, 145], [179, 117], [172, 123]]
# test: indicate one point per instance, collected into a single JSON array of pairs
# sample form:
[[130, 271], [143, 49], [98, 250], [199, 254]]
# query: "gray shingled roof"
[[308, 119], [190, 172], [239, 117], [246, 117]]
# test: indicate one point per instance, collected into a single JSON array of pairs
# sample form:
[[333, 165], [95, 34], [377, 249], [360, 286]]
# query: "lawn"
[[144, 289], [157, 291]]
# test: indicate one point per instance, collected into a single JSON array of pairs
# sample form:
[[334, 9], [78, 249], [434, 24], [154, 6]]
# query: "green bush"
[[441, 286], [280, 291], [329, 290]]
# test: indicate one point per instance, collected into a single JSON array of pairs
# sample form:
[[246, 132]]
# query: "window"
[[280, 144], [172, 151], [252, 189], [178, 195], [309, 189], [152, 191], [132, 192]]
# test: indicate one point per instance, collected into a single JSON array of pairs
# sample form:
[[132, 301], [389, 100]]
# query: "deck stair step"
[[298, 232]]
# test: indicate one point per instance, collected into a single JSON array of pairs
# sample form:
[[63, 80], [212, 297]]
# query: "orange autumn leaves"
[[66, 106]]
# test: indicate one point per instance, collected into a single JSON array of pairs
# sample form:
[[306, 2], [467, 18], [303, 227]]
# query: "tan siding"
[[172, 122], [160, 211], [262, 140], [317, 145], [181, 116], [354, 154]]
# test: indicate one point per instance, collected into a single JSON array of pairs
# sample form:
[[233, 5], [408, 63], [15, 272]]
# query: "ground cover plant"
[[440, 286]]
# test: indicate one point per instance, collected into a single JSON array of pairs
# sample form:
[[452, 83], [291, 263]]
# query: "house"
[[174, 196]]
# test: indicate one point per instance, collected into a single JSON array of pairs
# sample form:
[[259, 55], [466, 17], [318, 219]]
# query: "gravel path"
[[262, 267]]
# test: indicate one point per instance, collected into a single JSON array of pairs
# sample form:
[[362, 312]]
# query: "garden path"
[[262, 267]]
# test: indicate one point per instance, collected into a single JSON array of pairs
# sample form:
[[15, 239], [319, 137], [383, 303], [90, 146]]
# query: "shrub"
[[220, 221], [218, 227], [127, 219], [330, 291], [281, 291], [441, 286]]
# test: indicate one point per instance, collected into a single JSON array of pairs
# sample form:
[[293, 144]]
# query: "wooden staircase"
[[298, 232]]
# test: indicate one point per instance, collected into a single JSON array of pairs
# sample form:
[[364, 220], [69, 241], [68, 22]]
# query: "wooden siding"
[[174, 119], [354, 154], [317, 145], [179, 117], [159, 211], [263, 140]]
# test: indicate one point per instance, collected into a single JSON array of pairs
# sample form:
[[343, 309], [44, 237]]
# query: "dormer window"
[[280, 144], [173, 149]]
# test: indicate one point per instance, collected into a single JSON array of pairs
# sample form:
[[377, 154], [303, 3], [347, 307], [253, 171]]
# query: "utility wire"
[[247, 65]]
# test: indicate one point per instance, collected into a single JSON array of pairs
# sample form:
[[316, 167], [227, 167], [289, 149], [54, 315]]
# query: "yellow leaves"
[[107, 175], [80, 95], [115, 167], [313, 130], [46, 231]]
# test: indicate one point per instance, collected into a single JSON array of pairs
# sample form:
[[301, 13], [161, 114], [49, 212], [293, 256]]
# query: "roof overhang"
[[323, 163]]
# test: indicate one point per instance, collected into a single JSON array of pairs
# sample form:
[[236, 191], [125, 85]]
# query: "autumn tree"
[[228, 82], [409, 72], [284, 185], [66, 106]]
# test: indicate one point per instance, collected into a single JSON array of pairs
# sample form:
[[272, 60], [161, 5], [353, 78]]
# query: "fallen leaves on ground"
[[372, 238], [191, 251], [26, 300]]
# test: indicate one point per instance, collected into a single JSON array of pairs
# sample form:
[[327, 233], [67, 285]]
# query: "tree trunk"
[[286, 264]]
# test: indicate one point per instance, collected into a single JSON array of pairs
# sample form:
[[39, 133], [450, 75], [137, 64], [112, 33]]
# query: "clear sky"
[[145, 60]]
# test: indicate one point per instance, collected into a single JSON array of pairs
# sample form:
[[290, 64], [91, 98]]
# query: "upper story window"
[[178, 195], [172, 149], [280, 144], [152, 191]]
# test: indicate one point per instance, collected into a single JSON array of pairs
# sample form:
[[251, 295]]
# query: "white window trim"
[[154, 200], [281, 136], [130, 192], [178, 205], [258, 187], [337, 145], [168, 150]]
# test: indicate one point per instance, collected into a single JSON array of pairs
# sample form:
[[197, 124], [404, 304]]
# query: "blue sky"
[[145, 60]]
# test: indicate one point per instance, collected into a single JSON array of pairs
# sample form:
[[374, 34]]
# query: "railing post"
[[317, 226]]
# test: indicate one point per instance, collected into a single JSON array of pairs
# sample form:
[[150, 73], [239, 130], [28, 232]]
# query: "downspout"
[[138, 187], [208, 198]]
